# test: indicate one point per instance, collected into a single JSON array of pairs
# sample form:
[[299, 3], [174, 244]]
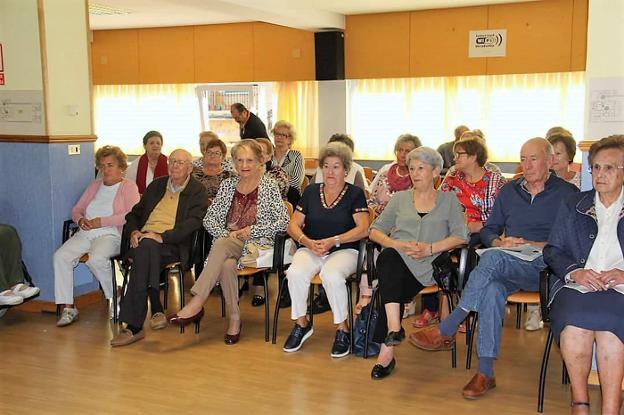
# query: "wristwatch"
[[337, 239]]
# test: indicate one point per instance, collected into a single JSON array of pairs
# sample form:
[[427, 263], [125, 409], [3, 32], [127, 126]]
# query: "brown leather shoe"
[[158, 321], [125, 337], [231, 339], [431, 339], [478, 386]]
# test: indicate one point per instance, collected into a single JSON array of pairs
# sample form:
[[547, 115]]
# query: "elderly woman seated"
[[101, 214], [13, 291], [151, 165], [328, 223], [415, 227], [210, 171], [248, 210], [585, 251], [565, 150], [288, 159]]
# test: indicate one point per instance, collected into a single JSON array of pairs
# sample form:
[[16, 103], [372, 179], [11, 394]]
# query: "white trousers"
[[333, 270], [100, 250]]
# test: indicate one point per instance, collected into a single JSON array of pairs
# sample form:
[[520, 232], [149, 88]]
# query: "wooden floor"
[[50, 370]]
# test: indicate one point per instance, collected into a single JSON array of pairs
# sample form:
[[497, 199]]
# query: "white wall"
[[332, 109]]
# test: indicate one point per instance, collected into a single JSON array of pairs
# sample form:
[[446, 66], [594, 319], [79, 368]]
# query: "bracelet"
[[300, 238]]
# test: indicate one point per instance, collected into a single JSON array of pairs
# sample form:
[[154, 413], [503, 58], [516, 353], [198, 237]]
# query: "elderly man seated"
[[160, 228], [524, 213], [585, 252]]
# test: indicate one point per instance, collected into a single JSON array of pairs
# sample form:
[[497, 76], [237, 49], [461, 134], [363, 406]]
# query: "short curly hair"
[[151, 134], [407, 139], [567, 141], [337, 149], [342, 138], [122, 159], [612, 141], [285, 124], [473, 146], [252, 145]]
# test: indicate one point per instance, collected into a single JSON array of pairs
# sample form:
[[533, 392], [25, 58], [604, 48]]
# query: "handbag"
[[258, 256], [359, 333], [444, 273]]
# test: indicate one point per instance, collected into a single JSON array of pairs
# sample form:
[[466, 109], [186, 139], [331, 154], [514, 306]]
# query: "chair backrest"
[[310, 163], [305, 183], [289, 208], [369, 173]]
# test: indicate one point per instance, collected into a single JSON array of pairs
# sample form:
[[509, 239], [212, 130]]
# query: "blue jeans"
[[498, 275]]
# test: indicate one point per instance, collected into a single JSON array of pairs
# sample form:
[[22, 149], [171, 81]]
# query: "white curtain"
[[509, 109]]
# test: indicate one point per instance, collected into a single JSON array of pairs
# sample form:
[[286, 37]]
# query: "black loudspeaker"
[[329, 55]]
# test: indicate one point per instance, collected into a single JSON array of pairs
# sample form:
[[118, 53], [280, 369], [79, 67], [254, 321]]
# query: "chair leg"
[[266, 306], [312, 289], [350, 305], [454, 349], [277, 309], [114, 281], [518, 315], [166, 290], [473, 328], [222, 302], [181, 276], [543, 369], [368, 321]]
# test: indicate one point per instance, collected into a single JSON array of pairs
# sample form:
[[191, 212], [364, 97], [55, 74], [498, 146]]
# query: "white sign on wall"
[[487, 43]]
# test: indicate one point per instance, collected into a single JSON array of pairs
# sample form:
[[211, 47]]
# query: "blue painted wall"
[[39, 185]]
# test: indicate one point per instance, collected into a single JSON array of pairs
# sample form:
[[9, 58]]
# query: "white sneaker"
[[3, 311], [8, 297], [534, 318], [25, 291], [69, 316]]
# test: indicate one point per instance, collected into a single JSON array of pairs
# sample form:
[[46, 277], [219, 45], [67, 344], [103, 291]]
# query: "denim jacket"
[[573, 235]]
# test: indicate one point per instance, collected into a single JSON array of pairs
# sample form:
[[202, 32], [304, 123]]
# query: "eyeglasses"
[[284, 135], [605, 168], [458, 154], [213, 153], [173, 162]]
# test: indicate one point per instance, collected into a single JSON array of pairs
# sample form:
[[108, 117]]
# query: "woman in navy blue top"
[[328, 223]]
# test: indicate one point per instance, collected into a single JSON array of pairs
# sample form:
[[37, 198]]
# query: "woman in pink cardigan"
[[100, 213]]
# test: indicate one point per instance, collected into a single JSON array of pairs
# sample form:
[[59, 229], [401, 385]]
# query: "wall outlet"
[[73, 149]]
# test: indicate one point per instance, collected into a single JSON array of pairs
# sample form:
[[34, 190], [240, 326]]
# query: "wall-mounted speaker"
[[329, 47]]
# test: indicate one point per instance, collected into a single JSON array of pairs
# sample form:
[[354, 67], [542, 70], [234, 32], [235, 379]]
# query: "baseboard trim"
[[39, 306]]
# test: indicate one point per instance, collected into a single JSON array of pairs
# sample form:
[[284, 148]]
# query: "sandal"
[[427, 318], [574, 404]]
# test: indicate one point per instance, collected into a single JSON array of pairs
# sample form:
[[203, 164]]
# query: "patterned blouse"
[[292, 164], [211, 183], [280, 177], [243, 210], [387, 182], [476, 198]]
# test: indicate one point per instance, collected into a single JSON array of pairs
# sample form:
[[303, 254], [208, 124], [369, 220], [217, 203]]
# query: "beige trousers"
[[221, 267]]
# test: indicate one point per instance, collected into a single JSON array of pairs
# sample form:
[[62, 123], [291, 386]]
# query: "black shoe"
[[380, 372], [320, 303], [284, 301], [394, 338], [257, 301], [298, 335], [341, 346]]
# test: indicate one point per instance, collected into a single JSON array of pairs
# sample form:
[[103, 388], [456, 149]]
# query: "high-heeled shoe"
[[380, 372], [185, 321], [231, 339]]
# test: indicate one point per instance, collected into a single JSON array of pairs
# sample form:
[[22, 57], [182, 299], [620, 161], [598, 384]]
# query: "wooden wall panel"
[[115, 57], [579, 35], [166, 55], [282, 53], [377, 45], [224, 53], [439, 41], [539, 36]]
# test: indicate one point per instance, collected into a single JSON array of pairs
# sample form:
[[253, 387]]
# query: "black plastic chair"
[[316, 280], [372, 275], [544, 301]]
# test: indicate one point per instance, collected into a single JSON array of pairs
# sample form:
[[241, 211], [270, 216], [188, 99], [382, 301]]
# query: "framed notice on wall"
[[1, 59], [487, 43]]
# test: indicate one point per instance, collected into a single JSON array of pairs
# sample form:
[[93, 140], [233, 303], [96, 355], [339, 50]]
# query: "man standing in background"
[[250, 125]]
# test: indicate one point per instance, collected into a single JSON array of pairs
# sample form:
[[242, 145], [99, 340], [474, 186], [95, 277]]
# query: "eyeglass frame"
[[458, 154], [608, 168], [173, 162]]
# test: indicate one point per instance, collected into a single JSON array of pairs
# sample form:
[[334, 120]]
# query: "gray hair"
[[337, 149], [425, 155], [407, 139]]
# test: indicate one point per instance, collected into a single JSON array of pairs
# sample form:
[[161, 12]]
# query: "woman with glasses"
[[211, 172], [151, 165], [565, 150], [291, 161], [585, 250]]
